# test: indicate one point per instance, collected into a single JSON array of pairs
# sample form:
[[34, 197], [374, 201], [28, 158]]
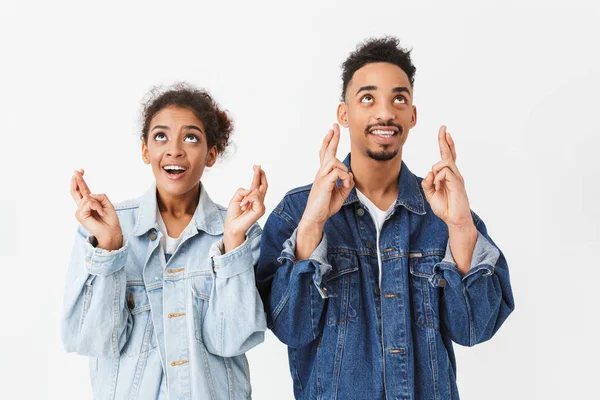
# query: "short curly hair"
[[386, 49], [217, 123]]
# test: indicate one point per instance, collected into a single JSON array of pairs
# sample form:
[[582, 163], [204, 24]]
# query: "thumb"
[[103, 199], [239, 195], [428, 187], [346, 190]]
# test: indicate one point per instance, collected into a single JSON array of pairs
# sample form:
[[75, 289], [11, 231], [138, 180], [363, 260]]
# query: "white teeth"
[[173, 168], [382, 132]]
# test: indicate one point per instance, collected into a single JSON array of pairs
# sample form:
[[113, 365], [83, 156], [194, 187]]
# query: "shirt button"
[[156, 278], [360, 212], [377, 291], [369, 244], [442, 283], [152, 236]]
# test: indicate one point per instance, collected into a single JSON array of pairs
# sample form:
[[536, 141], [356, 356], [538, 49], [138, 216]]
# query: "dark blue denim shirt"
[[349, 337]]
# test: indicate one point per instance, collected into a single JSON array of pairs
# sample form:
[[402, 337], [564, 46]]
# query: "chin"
[[382, 155], [176, 188]]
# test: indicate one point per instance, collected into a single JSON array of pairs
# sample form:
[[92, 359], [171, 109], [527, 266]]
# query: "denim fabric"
[[348, 337], [144, 325]]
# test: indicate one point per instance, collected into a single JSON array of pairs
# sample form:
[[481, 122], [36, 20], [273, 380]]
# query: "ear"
[[212, 156], [342, 114], [145, 155], [413, 119]]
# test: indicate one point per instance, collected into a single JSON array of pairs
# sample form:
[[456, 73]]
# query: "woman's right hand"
[[96, 213]]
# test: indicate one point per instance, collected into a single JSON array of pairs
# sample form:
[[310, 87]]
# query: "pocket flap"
[[201, 286], [422, 266], [137, 298], [341, 263]]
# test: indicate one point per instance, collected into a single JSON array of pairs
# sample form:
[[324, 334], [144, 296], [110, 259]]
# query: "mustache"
[[389, 123]]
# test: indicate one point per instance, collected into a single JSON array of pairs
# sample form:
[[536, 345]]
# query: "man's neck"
[[377, 180]]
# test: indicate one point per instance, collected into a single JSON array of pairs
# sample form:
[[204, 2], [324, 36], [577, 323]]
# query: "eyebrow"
[[366, 88], [186, 127], [399, 89], [193, 127]]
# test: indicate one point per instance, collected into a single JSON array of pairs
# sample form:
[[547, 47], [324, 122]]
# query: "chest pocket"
[[343, 287], [140, 328], [426, 287]]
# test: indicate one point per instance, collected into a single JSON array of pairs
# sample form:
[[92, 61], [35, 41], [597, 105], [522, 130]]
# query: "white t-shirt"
[[379, 217], [169, 244]]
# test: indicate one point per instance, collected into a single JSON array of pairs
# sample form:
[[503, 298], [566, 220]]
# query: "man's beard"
[[383, 155]]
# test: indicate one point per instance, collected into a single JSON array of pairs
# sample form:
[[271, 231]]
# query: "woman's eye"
[[160, 137], [191, 139], [400, 99], [366, 99]]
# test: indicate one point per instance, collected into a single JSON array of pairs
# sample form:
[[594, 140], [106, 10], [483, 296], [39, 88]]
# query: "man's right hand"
[[326, 197], [96, 213]]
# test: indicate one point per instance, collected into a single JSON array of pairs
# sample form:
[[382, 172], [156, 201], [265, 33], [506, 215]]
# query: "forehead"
[[175, 115], [384, 76]]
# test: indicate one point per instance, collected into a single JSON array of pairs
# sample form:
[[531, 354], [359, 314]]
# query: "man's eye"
[[367, 99], [160, 137], [191, 139], [400, 99]]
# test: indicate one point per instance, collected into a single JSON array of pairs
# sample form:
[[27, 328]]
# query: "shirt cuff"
[[485, 256], [104, 262], [234, 262], [318, 257]]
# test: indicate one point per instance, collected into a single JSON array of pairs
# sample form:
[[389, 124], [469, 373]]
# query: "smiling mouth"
[[382, 132], [174, 169]]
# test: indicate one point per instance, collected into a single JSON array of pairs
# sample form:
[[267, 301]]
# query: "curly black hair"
[[386, 49], [217, 124]]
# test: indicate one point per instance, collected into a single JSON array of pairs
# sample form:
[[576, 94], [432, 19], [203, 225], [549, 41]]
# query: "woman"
[[160, 291]]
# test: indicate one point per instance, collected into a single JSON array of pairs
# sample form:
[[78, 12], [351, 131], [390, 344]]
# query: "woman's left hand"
[[245, 208]]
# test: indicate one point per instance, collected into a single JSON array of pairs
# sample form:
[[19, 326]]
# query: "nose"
[[175, 150], [384, 112]]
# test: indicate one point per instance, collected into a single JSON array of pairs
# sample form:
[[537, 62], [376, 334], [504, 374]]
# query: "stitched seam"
[[200, 295], [87, 299], [115, 335], [288, 219], [220, 335], [229, 377], [207, 370], [140, 309], [341, 273], [281, 304], [305, 188], [471, 326]]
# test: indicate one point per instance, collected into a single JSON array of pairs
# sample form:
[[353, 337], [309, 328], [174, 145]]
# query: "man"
[[370, 273]]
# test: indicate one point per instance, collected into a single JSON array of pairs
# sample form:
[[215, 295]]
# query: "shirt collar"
[[409, 192], [207, 216]]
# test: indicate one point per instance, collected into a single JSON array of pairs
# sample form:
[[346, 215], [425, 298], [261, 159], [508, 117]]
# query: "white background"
[[517, 83]]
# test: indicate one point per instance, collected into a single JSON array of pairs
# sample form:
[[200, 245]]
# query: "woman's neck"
[[180, 205]]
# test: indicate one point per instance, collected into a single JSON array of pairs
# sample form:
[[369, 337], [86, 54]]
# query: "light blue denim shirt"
[[152, 331]]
